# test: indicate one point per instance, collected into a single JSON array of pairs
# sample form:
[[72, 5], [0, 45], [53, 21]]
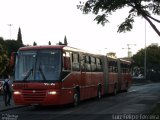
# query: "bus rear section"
[[117, 75], [125, 78], [56, 75]]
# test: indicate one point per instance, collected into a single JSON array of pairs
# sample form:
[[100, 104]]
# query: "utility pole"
[[10, 25], [145, 54], [128, 48]]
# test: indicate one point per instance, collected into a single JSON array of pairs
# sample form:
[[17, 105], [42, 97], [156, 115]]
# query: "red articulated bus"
[[56, 75]]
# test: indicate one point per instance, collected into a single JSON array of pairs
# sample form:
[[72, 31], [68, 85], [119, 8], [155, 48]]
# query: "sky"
[[50, 20]]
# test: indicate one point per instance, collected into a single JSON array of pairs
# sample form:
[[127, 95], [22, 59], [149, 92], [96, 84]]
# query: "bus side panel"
[[97, 78], [86, 88], [128, 78], [89, 86], [113, 80], [122, 81], [68, 86], [82, 89]]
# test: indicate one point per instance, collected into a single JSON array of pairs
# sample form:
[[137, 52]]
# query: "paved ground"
[[5, 108], [12, 106], [137, 102]]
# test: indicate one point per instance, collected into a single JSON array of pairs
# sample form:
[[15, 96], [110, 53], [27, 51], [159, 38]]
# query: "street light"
[[10, 25], [145, 53], [128, 48]]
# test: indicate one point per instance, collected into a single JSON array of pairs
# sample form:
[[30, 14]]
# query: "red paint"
[[86, 81]]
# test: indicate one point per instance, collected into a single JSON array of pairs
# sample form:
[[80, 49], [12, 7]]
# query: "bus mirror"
[[13, 58]]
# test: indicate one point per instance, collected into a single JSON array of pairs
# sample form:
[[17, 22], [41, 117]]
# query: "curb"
[[11, 108]]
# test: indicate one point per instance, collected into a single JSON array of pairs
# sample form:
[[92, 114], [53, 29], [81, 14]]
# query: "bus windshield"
[[38, 65]]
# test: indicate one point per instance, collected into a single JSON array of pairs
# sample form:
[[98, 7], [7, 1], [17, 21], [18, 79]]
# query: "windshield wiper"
[[28, 74], [43, 76]]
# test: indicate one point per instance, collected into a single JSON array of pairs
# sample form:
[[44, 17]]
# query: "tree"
[[65, 41], [34, 43], [12, 46], [6, 48], [153, 61], [49, 43], [4, 61], [138, 8], [19, 36], [112, 54], [2, 41], [60, 43]]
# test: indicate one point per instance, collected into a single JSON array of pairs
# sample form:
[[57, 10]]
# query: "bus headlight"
[[52, 93], [17, 92]]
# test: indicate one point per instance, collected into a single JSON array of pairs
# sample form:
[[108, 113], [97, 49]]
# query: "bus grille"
[[34, 96]]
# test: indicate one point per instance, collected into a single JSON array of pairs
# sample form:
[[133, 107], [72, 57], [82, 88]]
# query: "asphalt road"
[[134, 104]]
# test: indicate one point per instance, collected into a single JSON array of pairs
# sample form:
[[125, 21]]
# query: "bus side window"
[[128, 68], [87, 63], [93, 64], [82, 63], [110, 66], [75, 62], [115, 67], [66, 61], [122, 68], [99, 64]]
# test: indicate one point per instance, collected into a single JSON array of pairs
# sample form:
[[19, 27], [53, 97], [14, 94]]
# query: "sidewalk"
[[5, 108]]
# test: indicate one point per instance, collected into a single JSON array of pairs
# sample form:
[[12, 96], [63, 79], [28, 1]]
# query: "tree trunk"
[[152, 25]]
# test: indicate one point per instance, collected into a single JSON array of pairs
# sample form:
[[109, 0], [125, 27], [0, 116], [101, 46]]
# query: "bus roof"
[[64, 47], [42, 47], [125, 61]]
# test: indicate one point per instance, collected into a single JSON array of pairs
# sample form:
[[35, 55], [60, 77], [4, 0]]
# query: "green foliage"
[[65, 41], [152, 58], [2, 41], [4, 61], [60, 43], [127, 25], [12, 46], [19, 36], [34, 43], [6, 48], [101, 19], [138, 8], [49, 43]]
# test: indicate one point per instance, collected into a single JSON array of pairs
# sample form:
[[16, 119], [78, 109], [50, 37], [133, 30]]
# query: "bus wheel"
[[99, 93], [76, 98]]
